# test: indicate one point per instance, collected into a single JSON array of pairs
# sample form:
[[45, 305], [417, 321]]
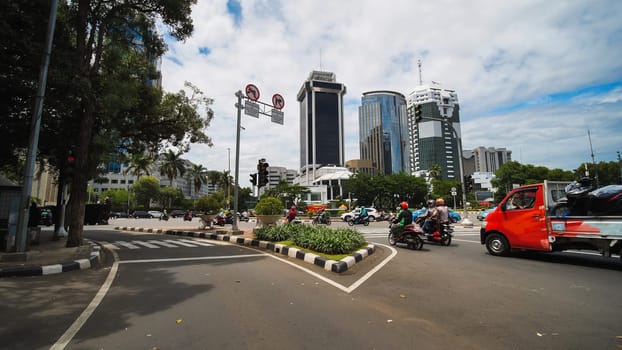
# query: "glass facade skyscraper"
[[321, 121], [383, 131]]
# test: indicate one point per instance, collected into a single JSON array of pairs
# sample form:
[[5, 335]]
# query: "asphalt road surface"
[[167, 292]]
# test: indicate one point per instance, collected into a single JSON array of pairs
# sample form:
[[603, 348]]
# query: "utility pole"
[[252, 108], [593, 161], [22, 223], [620, 164]]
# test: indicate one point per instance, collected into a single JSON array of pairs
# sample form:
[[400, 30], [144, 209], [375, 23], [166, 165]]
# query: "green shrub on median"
[[317, 238]]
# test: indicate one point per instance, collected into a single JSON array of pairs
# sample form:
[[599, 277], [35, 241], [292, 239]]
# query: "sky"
[[532, 76]]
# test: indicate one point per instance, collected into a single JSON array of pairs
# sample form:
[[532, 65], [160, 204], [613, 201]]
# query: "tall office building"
[[321, 123], [490, 159], [383, 131], [433, 142]]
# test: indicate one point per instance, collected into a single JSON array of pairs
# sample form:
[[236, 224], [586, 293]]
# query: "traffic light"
[[418, 113], [254, 179], [468, 183], [70, 162], [263, 174]]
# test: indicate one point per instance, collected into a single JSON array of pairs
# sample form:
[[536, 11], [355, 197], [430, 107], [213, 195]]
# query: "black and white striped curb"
[[327, 264], [38, 270]]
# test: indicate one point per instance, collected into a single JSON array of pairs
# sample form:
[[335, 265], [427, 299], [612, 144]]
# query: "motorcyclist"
[[443, 211], [321, 216], [404, 217], [291, 215], [431, 217]]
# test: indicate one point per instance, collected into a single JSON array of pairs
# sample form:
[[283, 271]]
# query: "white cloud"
[[495, 55]]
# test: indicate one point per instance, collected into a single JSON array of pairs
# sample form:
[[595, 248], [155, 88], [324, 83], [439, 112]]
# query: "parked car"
[[141, 214], [481, 216], [177, 213], [372, 213], [119, 214], [155, 213]]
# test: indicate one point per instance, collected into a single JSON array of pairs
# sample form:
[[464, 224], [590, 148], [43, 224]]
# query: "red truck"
[[525, 220]]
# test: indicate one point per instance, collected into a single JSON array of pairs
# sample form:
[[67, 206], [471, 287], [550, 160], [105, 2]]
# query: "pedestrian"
[[34, 215]]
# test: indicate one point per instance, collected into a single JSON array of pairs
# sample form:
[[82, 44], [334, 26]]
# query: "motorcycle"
[[411, 235], [242, 218], [188, 216], [582, 198], [321, 219], [441, 234], [384, 217], [222, 220], [359, 220], [164, 217]]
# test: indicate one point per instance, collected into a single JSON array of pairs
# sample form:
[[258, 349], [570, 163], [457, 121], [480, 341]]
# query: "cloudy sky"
[[532, 76]]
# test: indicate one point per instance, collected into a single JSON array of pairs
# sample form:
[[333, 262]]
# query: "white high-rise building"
[[432, 142]]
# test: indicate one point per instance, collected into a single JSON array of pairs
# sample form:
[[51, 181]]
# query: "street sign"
[[251, 108], [278, 101], [453, 189], [453, 193], [277, 116], [252, 92]]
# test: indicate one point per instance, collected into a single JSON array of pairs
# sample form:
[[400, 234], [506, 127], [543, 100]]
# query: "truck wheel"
[[497, 245]]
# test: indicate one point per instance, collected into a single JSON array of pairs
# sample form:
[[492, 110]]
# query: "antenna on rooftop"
[[419, 64], [320, 59], [593, 161]]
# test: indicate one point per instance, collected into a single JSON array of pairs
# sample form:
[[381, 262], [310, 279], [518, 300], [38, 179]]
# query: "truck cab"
[[526, 219]]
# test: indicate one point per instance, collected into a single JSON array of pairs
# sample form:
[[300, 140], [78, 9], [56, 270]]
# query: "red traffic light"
[[71, 159]]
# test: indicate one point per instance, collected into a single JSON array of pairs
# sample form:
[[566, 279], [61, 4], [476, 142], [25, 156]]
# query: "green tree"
[[170, 197], [139, 164], [198, 175], [100, 92], [214, 178], [435, 171], [145, 190], [172, 165], [286, 193], [118, 199]]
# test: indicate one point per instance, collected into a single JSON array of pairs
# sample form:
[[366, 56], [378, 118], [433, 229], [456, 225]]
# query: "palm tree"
[[172, 166], [214, 177], [138, 164], [435, 171], [198, 174]]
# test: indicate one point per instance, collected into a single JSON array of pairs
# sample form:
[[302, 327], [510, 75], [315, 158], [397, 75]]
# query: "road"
[[215, 295]]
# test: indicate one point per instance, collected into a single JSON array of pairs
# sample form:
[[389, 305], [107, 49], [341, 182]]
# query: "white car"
[[371, 212], [155, 213]]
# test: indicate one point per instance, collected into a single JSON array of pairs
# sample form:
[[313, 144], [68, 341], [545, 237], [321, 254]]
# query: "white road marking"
[[127, 245], [145, 244], [62, 342], [140, 261], [206, 244], [179, 242], [164, 244]]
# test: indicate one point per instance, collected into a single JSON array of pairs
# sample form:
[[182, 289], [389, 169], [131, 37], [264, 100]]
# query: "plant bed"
[[316, 239]]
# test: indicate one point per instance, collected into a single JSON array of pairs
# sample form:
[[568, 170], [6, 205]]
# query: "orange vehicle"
[[524, 220]]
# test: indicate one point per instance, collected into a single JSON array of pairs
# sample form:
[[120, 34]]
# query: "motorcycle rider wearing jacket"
[[404, 217], [431, 217], [442, 211]]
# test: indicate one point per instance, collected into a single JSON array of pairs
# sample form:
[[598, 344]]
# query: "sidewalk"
[[49, 257]]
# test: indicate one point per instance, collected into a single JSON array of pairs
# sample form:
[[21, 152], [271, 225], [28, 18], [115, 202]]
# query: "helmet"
[[431, 202], [440, 201], [404, 205]]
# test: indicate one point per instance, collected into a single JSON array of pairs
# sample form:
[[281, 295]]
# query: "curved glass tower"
[[383, 131]]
